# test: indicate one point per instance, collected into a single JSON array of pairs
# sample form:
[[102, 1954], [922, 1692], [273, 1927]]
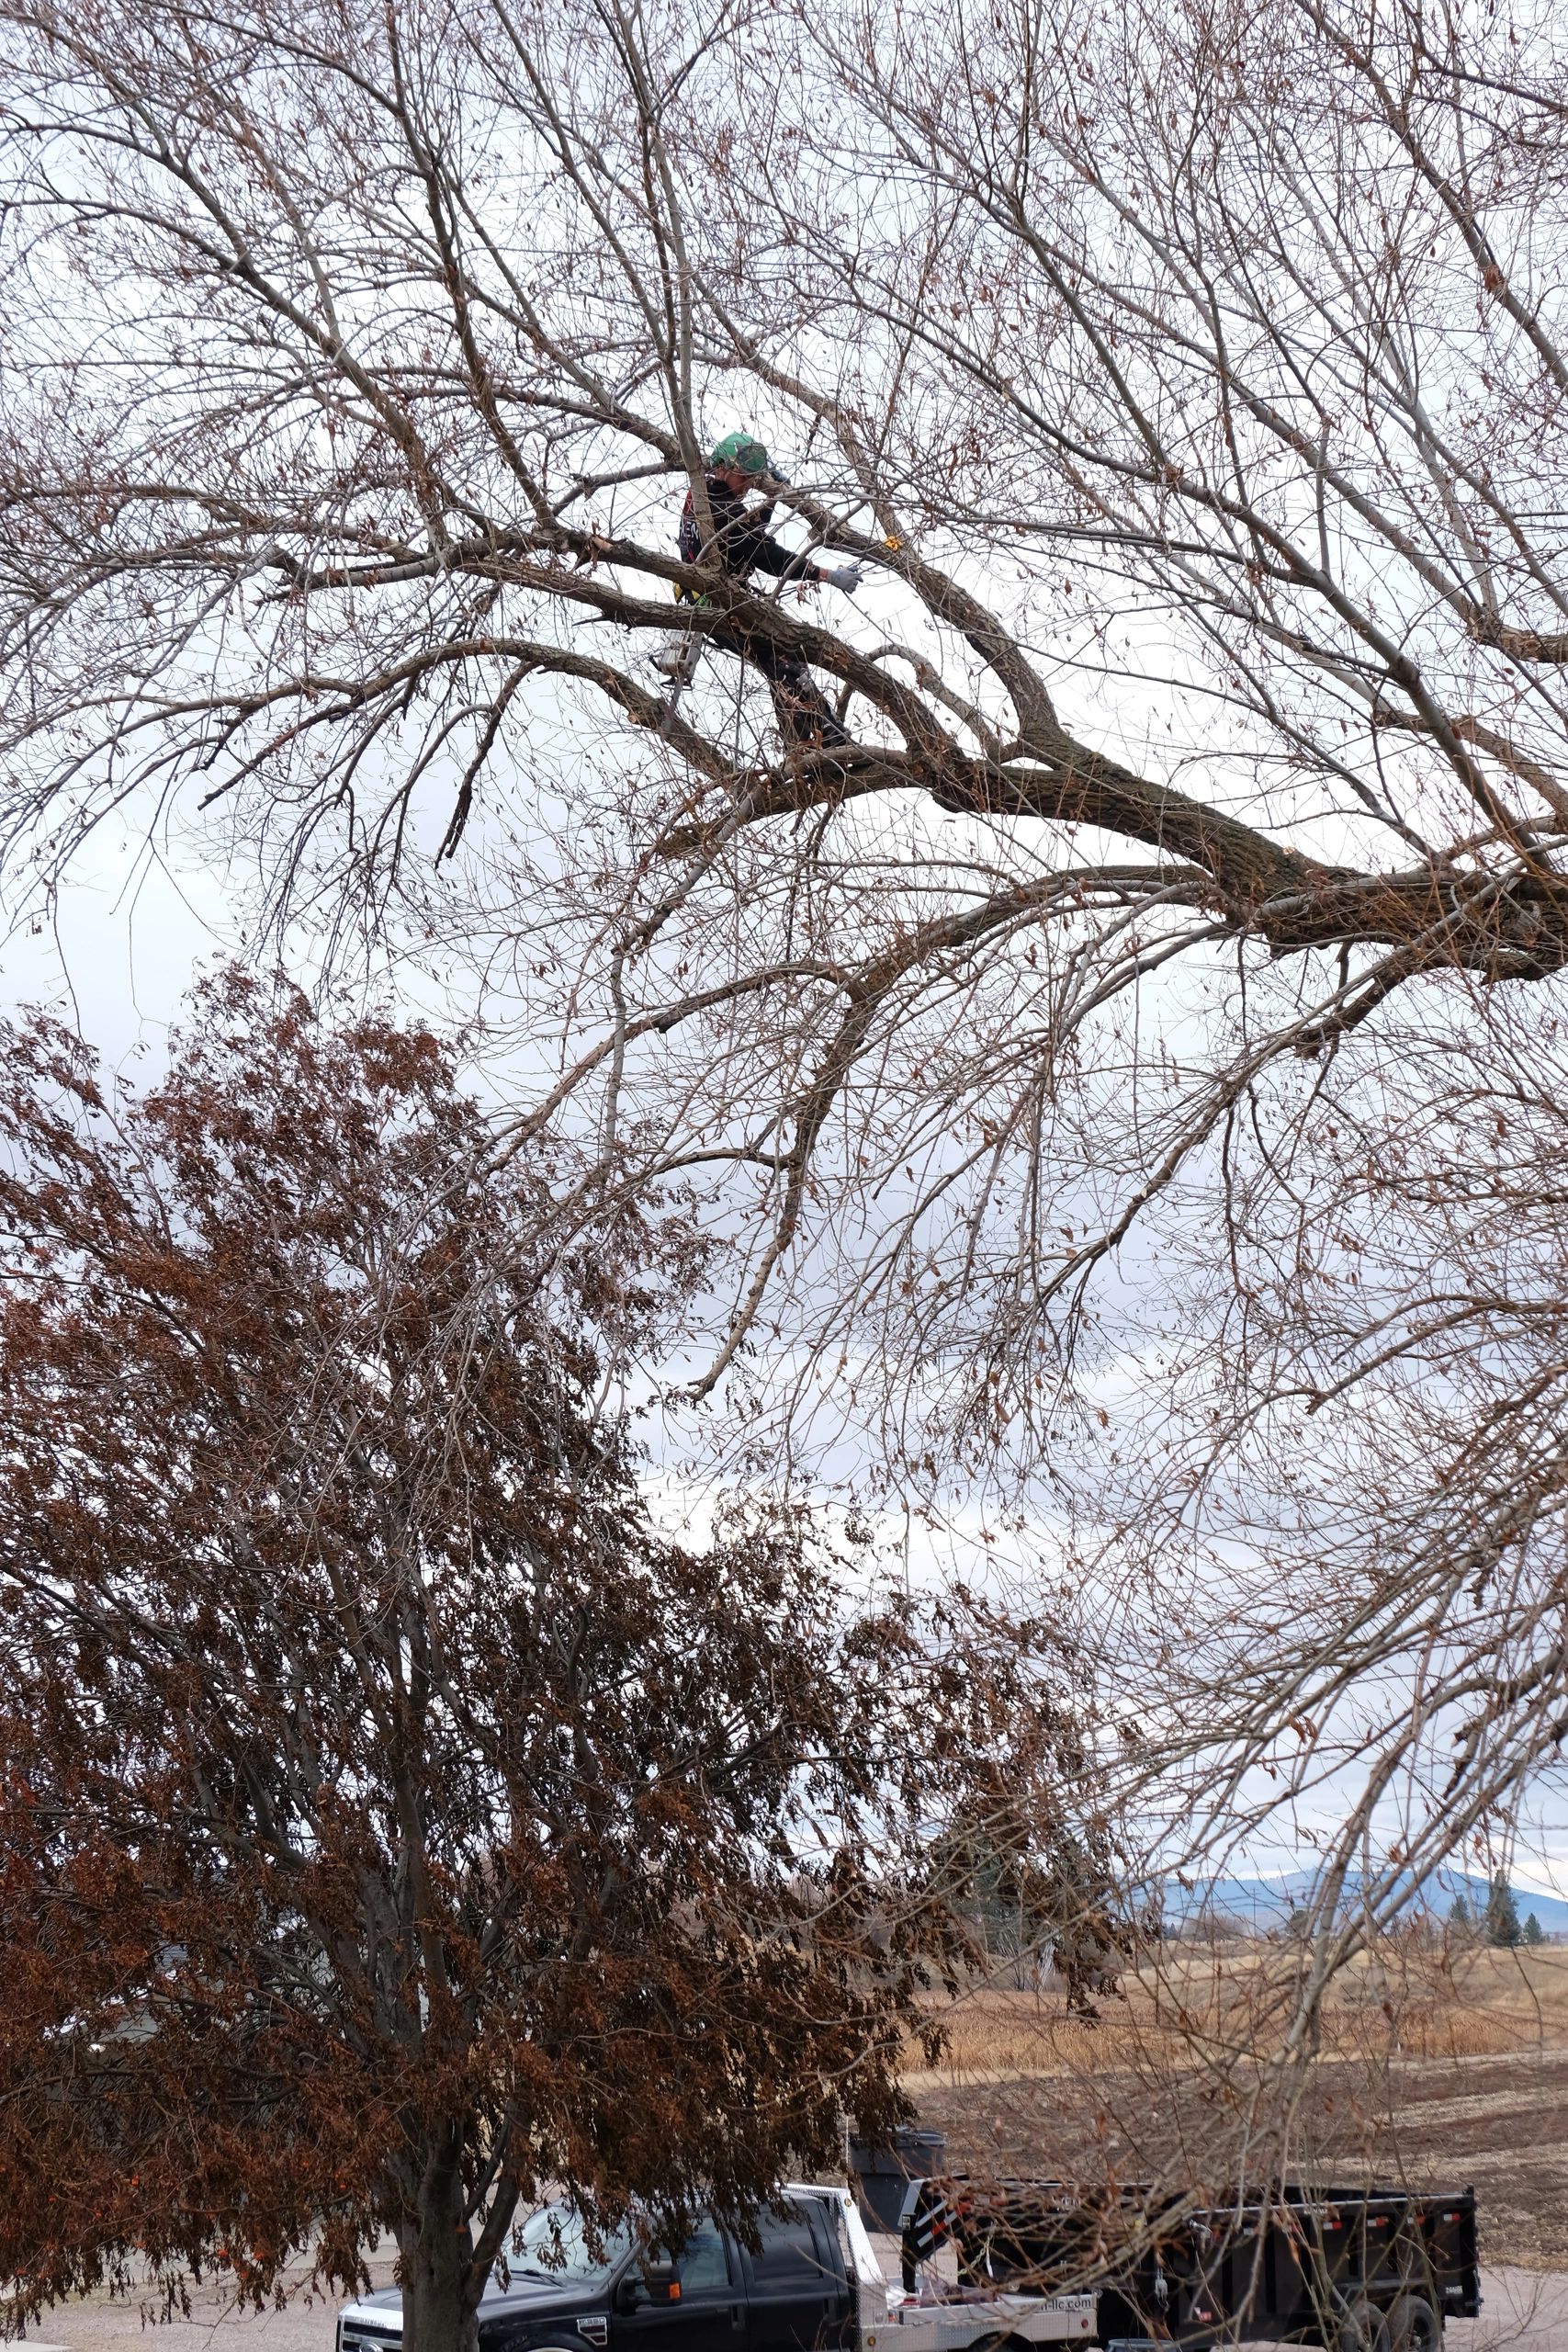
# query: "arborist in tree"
[[744, 543]]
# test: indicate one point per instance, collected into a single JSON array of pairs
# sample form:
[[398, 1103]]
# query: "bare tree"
[[1344, 1521], [1189, 383]]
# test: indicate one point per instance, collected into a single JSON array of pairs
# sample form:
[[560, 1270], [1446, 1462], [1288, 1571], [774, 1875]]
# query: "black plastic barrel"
[[884, 2173]]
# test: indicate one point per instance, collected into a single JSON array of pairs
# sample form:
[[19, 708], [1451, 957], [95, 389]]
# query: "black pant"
[[799, 704]]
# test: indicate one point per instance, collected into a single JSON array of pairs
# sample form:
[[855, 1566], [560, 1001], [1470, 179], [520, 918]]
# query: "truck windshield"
[[554, 2244]]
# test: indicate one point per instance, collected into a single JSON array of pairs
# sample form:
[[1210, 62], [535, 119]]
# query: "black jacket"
[[744, 542]]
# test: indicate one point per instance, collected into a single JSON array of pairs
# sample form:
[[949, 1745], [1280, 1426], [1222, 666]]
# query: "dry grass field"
[[1435, 2067], [1407, 2000]]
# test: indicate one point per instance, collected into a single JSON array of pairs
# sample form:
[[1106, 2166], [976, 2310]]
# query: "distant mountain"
[[1266, 1903]]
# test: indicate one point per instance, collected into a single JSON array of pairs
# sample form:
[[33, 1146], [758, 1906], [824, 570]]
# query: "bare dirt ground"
[[97, 2324]]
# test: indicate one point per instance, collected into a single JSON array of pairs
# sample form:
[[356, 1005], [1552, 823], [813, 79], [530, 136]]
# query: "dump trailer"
[[1353, 2269]]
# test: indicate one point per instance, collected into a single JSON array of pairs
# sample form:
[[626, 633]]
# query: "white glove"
[[846, 576]]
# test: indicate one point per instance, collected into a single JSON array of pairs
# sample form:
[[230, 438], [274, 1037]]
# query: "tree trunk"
[[437, 2247]]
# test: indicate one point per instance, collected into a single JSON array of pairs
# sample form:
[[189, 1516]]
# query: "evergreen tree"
[[1533, 1934], [1459, 1919], [1502, 1913]]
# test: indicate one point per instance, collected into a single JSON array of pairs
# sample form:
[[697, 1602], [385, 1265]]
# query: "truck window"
[[701, 2266], [553, 2243], [787, 2260]]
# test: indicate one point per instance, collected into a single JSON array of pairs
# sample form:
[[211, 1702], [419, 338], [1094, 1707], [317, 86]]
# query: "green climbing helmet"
[[742, 450]]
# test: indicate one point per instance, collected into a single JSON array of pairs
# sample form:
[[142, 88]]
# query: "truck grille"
[[352, 2336]]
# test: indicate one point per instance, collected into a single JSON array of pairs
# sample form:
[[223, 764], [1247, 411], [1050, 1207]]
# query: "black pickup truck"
[[798, 2289], [1353, 2269]]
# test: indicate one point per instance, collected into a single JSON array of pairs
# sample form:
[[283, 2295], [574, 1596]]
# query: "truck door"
[[798, 2296], [710, 2314]]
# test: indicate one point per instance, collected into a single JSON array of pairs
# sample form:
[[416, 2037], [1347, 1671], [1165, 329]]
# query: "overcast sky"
[[126, 937]]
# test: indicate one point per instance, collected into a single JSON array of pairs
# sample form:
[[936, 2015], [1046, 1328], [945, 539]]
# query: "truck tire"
[[1361, 2328], [1414, 2325]]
